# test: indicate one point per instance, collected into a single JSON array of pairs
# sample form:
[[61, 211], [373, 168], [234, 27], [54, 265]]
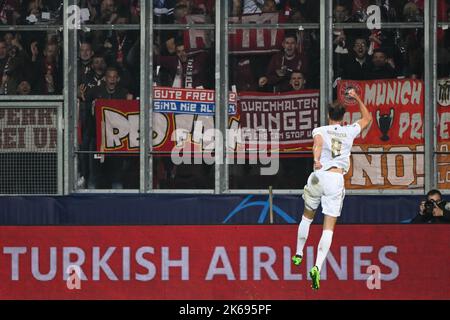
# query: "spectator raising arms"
[[47, 69], [357, 64], [283, 64], [185, 71], [381, 68]]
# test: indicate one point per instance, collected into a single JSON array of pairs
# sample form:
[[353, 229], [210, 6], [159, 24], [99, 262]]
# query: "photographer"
[[433, 209]]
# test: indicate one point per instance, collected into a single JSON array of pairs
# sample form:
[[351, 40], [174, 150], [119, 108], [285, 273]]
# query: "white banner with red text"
[[28, 130]]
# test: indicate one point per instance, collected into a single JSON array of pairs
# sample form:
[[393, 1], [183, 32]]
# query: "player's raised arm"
[[366, 116]]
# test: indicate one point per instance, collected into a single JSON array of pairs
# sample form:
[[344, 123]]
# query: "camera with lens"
[[429, 206]]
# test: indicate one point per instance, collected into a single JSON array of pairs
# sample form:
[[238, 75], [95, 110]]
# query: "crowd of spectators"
[[363, 54], [50, 12], [109, 60], [30, 63], [359, 54]]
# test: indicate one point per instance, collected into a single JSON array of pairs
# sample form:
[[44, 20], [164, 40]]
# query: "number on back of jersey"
[[336, 146]]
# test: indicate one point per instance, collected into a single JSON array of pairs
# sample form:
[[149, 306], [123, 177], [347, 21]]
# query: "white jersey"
[[337, 145]]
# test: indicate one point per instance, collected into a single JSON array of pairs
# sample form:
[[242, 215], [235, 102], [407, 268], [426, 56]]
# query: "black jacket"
[[353, 70], [385, 72], [444, 205], [87, 115]]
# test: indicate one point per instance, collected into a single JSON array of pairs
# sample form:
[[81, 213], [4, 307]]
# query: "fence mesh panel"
[[28, 150]]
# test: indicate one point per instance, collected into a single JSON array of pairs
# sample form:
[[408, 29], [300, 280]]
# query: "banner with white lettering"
[[181, 116], [184, 119], [221, 263], [196, 40], [188, 101], [397, 107], [117, 125], [291, 115], [443, 138], [256, 41], [28, 130]]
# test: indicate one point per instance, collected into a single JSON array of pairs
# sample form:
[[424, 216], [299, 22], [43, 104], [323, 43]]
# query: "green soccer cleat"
[[315, 277], [297, 259]]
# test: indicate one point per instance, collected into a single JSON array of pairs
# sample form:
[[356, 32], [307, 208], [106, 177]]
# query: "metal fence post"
[[146, 85], [70, 98], [430, 114], [221, 82]]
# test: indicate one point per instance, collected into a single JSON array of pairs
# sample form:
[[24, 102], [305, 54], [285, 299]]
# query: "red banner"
[[196, 40], [183, 121], [443, 137], [117, 125], [221, 262], [181, 117], [254, 41], [293, 115], [397, 107]]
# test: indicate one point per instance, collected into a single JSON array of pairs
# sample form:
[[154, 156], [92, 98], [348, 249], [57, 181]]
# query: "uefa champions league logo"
[[264, 204]]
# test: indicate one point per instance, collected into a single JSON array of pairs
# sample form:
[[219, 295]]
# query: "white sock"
[[324, 247], [302, 235]]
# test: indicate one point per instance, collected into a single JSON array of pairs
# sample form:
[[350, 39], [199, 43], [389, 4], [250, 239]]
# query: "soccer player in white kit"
[[331, 150]]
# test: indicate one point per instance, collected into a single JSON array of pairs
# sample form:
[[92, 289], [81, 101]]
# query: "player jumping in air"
[[332, 148]]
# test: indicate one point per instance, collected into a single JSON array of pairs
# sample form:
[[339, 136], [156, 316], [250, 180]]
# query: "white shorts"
[[327, 188]]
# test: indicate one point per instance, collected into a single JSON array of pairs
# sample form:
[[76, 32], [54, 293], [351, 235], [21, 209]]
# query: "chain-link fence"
[[29, 148]]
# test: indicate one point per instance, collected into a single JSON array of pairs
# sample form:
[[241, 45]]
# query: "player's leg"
[[329, 223], [302, 234], [311, 196], [323, 248], [332, 201]]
